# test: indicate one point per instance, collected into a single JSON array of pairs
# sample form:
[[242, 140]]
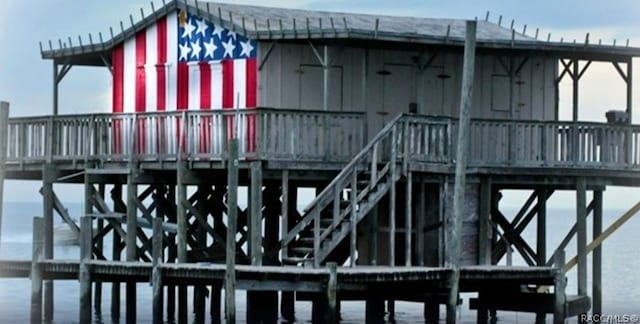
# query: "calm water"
[[620, 280]]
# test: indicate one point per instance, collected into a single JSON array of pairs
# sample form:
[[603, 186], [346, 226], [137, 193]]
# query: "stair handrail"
[[328, 190]]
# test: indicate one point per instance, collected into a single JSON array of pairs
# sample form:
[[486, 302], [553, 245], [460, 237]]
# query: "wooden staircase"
[[335, 213]]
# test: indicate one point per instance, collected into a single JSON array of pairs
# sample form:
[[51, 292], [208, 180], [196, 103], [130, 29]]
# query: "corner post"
[[466, 100]]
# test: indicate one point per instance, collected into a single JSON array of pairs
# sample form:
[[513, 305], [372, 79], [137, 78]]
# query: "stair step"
[[301, 249], [295, 260]]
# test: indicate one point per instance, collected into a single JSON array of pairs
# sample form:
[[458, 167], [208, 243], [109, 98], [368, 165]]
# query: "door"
[[399, 90]]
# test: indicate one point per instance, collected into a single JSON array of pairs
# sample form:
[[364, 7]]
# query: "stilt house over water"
[[363, 110]]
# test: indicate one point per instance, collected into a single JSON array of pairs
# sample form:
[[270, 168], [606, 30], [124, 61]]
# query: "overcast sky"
[[26, 79]]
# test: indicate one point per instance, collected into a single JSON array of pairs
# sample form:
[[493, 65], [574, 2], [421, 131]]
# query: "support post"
[[56, 82], [408, 218], [576, 84], [131, 245], [332, 293], [36, 270], [255, 227], [420, 223], [466, 100], [48, 174], [116, 196], [630, 91], [597, 255], [326, 82], [392, 197], [4, 141], [581, 222], [232, 202], [156, 276], [541, 239], [86, 236], [484, 228], [182, 222], [559, 286]]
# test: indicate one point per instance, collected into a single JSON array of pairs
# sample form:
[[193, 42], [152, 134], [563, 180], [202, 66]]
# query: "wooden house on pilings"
[[361, 108]]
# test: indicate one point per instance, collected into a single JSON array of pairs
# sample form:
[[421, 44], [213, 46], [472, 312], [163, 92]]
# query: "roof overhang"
[[100, 53]]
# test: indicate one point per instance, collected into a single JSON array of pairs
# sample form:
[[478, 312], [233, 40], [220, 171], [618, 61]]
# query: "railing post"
[[49, 140], [392, 196], [374, 164], [405, 141], [316, 238], [354, 223]]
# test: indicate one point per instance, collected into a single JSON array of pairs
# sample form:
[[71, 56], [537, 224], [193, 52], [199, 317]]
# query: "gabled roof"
[[264, 23]]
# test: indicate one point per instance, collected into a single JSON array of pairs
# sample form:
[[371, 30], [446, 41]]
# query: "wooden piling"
[[4, 129], [156, 277], [116, 196], [131, 243], [408, 218], [466, 100], [232, 214], [182, 222], [216, 302], [559, 286], [48, 176], [332, 293], [86, 237], [597, 255], [581, 223], [36, 270], [255, 227], [484, 228]]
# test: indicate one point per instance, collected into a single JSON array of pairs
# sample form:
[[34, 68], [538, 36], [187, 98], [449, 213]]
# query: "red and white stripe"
[[147, 77]]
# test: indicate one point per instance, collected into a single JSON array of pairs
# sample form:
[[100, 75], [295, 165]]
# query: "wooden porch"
[[308, 140]]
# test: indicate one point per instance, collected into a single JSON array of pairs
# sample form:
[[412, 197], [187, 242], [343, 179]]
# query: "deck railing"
[[263, 133], [316, 136]]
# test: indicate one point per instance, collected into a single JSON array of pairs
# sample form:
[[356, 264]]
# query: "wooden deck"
[[312, 140], [248, 277]]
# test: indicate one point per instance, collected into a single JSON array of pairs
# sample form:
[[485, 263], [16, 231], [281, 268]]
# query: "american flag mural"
[[184, 62]]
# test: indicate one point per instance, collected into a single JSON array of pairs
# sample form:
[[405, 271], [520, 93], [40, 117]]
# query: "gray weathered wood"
[[484, 243], [408, 230], [466, 100], [559, 289], [332, 293], [420, 223], [131, 242], [255, 225], [232, 219], [156, 278], [36, 270], [392, 197], [581, 235], [353, 222], [84, 276], [284, 212], [597, 255], [4, 142], [116, 195], [48, 174]]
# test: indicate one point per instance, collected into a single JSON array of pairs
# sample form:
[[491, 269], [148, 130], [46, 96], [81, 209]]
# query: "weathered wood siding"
[[519, 88]]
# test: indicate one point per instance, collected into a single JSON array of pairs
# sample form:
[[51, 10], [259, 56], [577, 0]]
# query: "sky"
[[26, 79]]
